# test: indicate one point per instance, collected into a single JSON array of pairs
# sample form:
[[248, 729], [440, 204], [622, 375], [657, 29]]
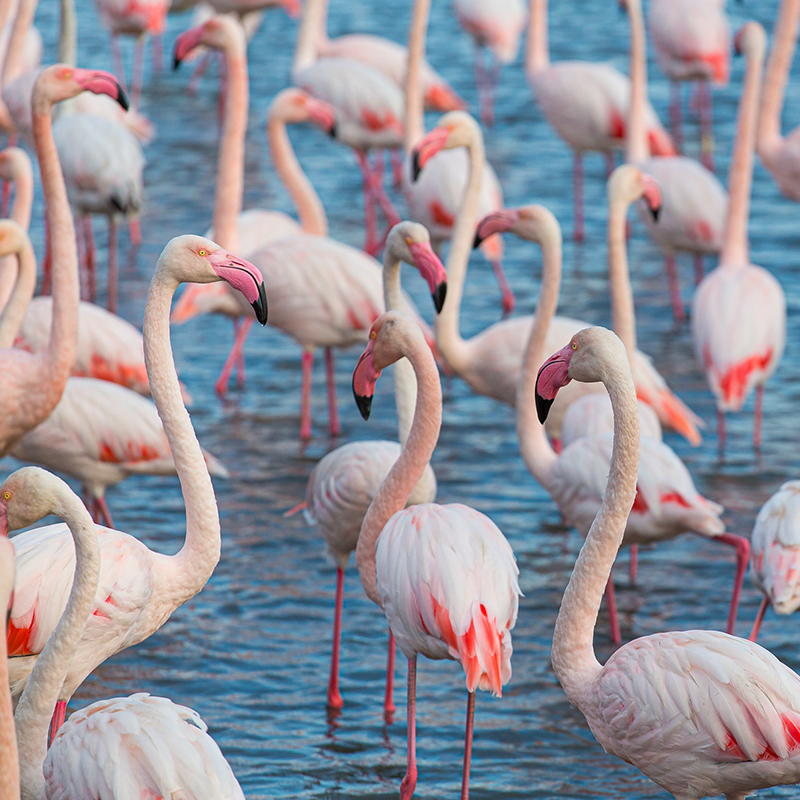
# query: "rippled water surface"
[[250, 653]]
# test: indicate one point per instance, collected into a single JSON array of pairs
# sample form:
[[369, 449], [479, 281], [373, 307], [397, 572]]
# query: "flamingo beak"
[[652, 195], [427, 148], [185, 43], [432, 270], [99, 81], [365, 376], [496, 222], [553, 375], [245, 277], [322, 115]]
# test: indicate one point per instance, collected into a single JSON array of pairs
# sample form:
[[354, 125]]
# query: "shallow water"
[[250, 653]]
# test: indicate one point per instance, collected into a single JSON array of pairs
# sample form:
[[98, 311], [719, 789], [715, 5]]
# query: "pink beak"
[[432, 270], [496, 222], [427, 148], [365, 376], [185, 43], [99, 81], [322, 114], [245, 277], [652, 195], [553, 375]]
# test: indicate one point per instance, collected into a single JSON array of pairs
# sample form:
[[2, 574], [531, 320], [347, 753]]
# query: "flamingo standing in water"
[[739, 310], [586, 103], [780, 154], [445, 576], [701, 713], [775, 554], [140, 744], [139, 589], [343, 483], [692, 43]]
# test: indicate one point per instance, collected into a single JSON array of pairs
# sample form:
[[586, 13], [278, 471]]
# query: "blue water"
[[250, 653]]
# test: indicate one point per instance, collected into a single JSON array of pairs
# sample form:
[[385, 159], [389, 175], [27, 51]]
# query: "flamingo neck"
[[415, 101], [537, 52], [12, 67], [538, 455], [9, 759], [230, 167], [448, 335], [396, 488], [776, 78], [38, 701], [735, 246], [315, 13], [573, 657], [68, 34], [196, 560], [21, 295], [623, 314], [637, 149], [21, 214], [306, 200]]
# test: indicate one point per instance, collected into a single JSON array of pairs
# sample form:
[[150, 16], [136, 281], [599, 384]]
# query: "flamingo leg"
[[198, 72], [116, 58], [509, 301], [157, 52], [409, 782], [633, 566], [675, 114], [706, 125], [371, 245], [721, 433], [742, 546], [758, 418], [334, 426], [613, 617], [483, 82], [91, 257], [334, 695], [57, 720], [112, 264], [577, 188], [103, 513], [699, 269], [396, 159], [762, 609], [388, 697], [240, 331], [468, 745], [671, 267], [240, 366], [135, 231], [379, 193], [137, 72], [306, 363]]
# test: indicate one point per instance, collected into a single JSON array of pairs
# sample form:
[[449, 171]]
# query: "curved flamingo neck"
[[573, 657], [447, 326], [14, 311], [196, 560], [414, 98], [776, 78], [538, 455], [537, 52], [12, 67], [21, 214], [230, 167], [9, 759], [38, 701], [637, 149], [735, 246], [305, 198], [314, 21], [396, 488], [623, 314]]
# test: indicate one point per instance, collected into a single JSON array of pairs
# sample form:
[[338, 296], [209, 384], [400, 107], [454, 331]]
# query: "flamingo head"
[[455, 129], [30, 494], [220, 32], [13, 238], [441, 97], [411, 242], [61, 82], [195, 259], [630, 183], [750, 40], [533, 223], [15, 163], [297, 105]]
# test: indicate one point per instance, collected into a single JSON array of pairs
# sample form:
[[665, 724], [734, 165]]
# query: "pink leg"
[[484, 86], [613, 618], [409, 782], [758, 418], [706, 127], [468, 746], [633, 566], [370, 217], [240, 366], [240, 331], [59, 715], [116, 58], [675, 114], [721, 434], [334, 696], [509, 301], [91, 258], [104, 515], [674, 288], [699, 269], [306, 363], [157, 52], [197, 75], [388, 697], [762, 609], [577, 185], [137, 73], [742, 546], [113, 276], [135, 231], [396, 157], [334, 426], [379, 192]]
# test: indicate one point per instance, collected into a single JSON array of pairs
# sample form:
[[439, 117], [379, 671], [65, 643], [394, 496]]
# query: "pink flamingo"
[[80, 760], [445, 576], [369, 111], [9, 760], [17, 171], [343, 483], [33, 384], [695, 202], [139, 589], [774, 555], [780, 154], [739, 310], [586, 103], [701, 713], [496, 27], [490, 361], [102, 433], [692, 43]]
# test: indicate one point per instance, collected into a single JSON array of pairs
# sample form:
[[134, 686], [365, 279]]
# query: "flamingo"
[[495, 27], [9, 761], [694, 201], [369, 111], [343, 483], [15, 169], [780, 154], [586, 103], [701, 713], [445, 576], [141, 744], [139, 589], [102, 433], [490, 361], [592, 415], [774, 554], [739, 310], [692, 43], [33, 384]]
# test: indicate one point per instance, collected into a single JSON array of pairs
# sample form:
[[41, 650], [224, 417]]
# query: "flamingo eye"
[[574, 345], [202, 252], [372, 334], [6, 495]]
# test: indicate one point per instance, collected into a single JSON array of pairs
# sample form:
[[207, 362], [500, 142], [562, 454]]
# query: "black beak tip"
[[122, 98], [415, 167], [439, 295], [334, 130], [477, 241], [542, 407], [655, 212], [176, 62], [364, 404], [260, 305]]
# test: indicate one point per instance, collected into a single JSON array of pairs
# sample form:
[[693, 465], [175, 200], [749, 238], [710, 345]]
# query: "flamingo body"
[[782, 159], [496, 24], [133, 17], [592, 415]]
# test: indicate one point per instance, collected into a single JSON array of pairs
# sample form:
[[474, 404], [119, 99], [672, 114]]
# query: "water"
[[250, 653]]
